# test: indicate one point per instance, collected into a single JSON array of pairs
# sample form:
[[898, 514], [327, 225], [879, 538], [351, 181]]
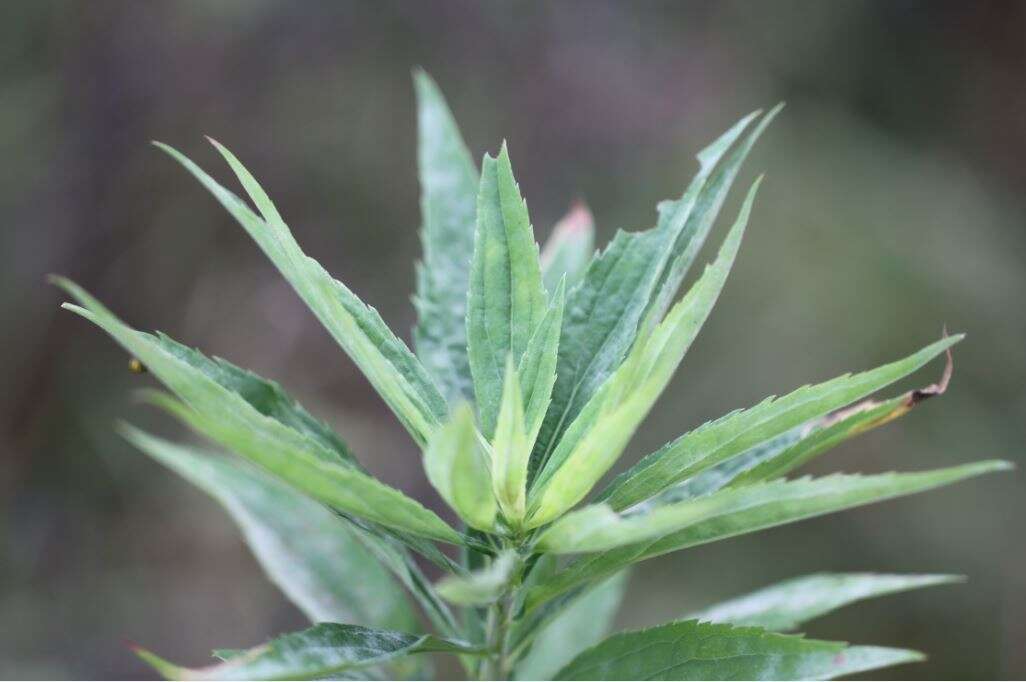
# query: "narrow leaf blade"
[[689, 650], [506, 300], [448, 205], [320, 651], [313, 555], [789, 604]]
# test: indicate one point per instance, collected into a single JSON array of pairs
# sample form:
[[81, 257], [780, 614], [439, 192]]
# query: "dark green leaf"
[[719, 440], [506, 300], [735, 511], [689, 650], [386, 361], [604, 311]]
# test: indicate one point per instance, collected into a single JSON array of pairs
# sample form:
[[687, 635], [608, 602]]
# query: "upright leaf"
[[689, 650], [569, 248], [621, 283], [456, 467], [506, 300], [316, 653], [602, 430], [719, 440], [787, 605], [511, 450], [448, 205], [313, 555], [582, 623], [735, 511], [537, 369], [294, 457], [392, 369]]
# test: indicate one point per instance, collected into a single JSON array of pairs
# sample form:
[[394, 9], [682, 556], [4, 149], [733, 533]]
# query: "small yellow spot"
[[136, 367]]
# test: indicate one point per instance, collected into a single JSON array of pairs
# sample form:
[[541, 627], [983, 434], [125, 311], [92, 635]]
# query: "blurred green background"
[[894, 204]]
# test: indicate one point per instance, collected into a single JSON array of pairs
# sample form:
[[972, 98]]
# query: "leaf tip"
[[163, 667]]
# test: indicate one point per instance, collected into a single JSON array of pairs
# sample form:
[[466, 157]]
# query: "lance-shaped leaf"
[[582, 623], [313, 555], [297, 459], [320, 651], [537, 368], [481, 587], [735, 433], [604, 311], [506, 300], [569, 248], [392, 369], [601, 432], [829, 431], [786, 605], [456, 466], [735, 511], [448, 206], [689, 650], [511, 450], [266, 397]]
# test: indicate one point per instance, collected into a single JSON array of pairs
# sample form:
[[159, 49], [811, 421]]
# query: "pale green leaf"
[[506, 300], [297, 459], [456, 466], [569, 248], [537, 368], [386, 361], [313, 555], [582, 623], [735, 511], [511, 450], [482, 586], [602, 430], [735, 433], [320, 651], [786, 605], [448, 206], [689, 650], [605, 310]]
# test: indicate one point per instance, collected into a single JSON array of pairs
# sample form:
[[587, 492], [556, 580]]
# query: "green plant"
[[531, 373]]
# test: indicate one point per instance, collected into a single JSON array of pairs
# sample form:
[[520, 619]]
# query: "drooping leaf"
[[456, 467], [582, 623], [317, 652], [392, 369], [719, 440], [297, 459], [735, 511], [310, 553], [622, 282], [506, 300], [602, 430], [448, 206], [480, 587], [786, 605], [689, 650], [569, 248], [511, 450]]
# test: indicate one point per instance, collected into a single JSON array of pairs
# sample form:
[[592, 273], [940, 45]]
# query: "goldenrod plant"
[[532, 370]]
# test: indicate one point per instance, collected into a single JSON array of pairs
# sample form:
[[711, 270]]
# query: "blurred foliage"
[[894, 203]]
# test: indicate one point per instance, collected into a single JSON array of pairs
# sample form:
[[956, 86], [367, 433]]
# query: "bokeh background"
[[894, 204]]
